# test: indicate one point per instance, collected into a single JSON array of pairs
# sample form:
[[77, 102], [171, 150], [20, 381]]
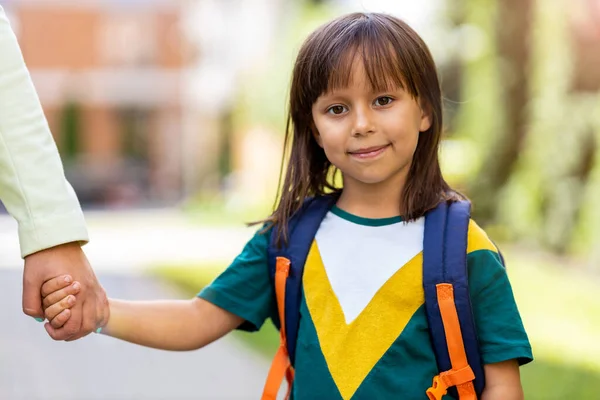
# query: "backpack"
[[447, 301]]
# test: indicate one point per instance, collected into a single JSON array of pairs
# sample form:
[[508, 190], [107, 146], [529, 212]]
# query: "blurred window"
[[128, 39], [135, 125]]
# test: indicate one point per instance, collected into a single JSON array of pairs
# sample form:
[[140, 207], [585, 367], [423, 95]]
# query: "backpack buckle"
[[438, 389], [453, 377]]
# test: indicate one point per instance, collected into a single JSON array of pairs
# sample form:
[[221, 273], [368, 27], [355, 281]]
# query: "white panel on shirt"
[[359, 259]]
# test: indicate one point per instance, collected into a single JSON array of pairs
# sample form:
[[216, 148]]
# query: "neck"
[[380, 200]]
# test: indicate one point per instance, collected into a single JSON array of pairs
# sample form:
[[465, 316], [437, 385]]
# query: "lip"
[[368, 152]]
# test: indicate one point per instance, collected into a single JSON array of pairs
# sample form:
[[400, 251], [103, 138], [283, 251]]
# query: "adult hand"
[[91, 310]]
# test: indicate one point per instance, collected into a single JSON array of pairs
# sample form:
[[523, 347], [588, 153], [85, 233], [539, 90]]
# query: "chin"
[[371, 179], [375, 177]]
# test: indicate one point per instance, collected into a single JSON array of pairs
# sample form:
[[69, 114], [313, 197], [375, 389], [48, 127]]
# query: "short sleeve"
[[244, 288], [499, 326]]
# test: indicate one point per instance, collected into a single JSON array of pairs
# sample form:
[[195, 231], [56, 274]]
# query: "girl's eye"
[[337, 110], [383, 101]]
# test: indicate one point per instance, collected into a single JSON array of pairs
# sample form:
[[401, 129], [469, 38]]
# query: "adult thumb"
[[32, 297]]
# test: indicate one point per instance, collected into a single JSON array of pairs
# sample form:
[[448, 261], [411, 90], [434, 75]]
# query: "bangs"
[[380, 63], [381, 44]]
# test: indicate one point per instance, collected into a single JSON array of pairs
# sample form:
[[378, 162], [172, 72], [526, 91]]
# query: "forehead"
[[371, 68]]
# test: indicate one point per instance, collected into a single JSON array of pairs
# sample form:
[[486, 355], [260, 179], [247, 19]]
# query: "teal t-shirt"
[[363, 330]]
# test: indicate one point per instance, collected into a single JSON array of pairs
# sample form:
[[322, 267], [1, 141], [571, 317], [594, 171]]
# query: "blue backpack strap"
[[445, 261], [302, 229]]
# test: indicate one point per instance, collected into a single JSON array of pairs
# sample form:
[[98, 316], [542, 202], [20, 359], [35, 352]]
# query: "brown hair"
[[393, 54]]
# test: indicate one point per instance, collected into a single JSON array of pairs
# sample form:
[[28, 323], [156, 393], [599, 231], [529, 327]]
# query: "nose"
[[363, 121]]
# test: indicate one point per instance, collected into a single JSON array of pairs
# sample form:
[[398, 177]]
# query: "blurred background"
[[169, 117]]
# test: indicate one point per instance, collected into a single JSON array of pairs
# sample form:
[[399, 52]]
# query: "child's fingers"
[[61, 319], [55, 297], [57, 308], [55, 284]]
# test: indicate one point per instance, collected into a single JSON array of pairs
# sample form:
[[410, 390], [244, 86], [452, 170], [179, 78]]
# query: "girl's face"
[[369, 136]]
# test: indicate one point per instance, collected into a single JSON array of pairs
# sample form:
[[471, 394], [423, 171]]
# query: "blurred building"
[[138, 92], [109, 75]]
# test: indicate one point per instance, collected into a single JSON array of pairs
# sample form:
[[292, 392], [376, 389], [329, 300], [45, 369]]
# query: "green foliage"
[[587, 230], [215, 210], [551, 195], [71, 129], [548, 380], [264, 91], [532, 191], [479, 119]]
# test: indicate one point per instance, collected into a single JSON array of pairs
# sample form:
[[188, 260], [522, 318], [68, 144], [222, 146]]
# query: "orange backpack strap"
[[461, 375], [280, 366]]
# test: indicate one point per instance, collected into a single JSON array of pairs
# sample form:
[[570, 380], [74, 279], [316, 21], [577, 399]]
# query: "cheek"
[[331, 137], [411, 143], [334, 150], [405, 141]]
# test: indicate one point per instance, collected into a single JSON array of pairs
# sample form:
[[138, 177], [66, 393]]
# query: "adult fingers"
[[32, 299], [88, 321]]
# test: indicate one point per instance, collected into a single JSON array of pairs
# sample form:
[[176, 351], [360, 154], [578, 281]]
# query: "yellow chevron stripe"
[[351, 351], [478, 239]]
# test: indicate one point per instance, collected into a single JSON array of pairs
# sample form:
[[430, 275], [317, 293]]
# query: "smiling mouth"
[[368, 152]]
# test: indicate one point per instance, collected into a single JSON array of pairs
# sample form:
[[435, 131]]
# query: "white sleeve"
[[33, 187]]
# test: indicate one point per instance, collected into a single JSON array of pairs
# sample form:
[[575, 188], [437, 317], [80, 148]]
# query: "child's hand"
[[58, 297]]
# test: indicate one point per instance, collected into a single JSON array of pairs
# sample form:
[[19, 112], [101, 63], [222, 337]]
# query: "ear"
[[425, 116]]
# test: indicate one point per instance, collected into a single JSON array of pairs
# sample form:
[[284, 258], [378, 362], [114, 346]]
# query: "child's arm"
[[166, 324], [502, 381], [169, 324]]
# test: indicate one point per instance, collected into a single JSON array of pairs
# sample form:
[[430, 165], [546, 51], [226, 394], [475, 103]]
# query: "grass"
[[559, 307], [218, 211]]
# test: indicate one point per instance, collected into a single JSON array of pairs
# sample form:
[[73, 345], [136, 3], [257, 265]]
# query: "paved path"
[[34, 367]]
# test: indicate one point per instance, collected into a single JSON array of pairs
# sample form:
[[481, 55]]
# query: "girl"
[[365, 102]]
